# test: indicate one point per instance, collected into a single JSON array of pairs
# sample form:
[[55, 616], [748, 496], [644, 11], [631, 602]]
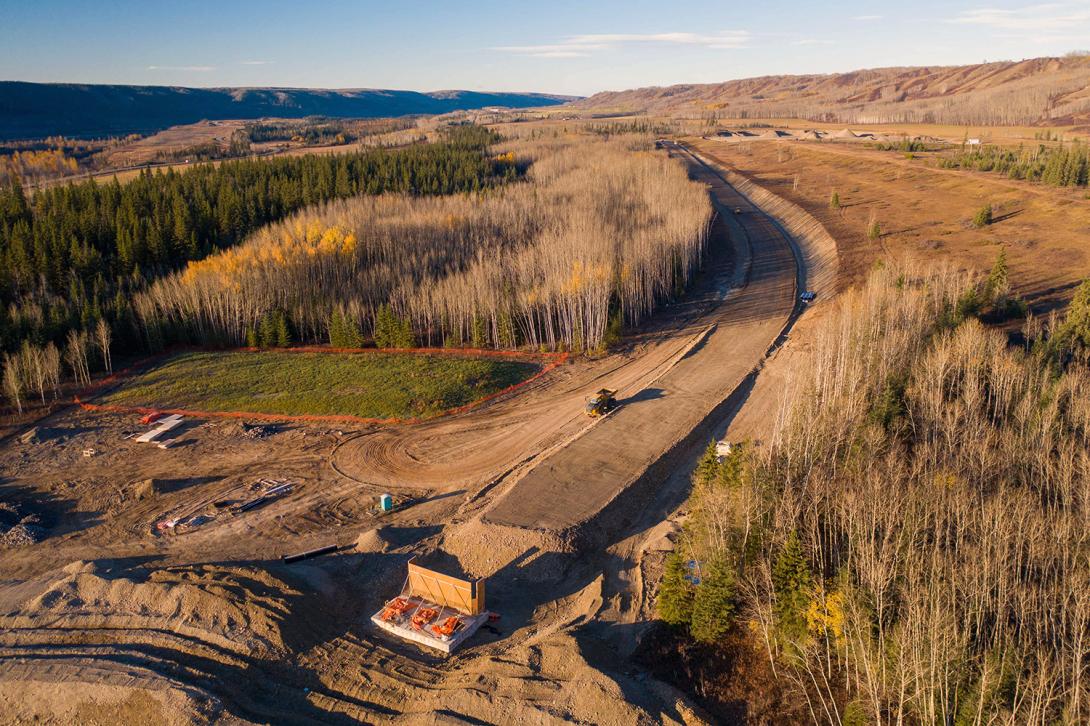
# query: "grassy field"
[[369, 385]]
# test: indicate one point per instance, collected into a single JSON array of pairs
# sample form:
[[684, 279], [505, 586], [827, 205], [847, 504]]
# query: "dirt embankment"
[[820, 257]]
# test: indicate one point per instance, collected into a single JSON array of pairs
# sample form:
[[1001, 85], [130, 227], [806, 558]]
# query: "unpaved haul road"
[[578, 481]]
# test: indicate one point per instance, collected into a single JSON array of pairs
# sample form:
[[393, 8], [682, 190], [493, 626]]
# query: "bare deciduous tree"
[[103, 338], [75, 355], [604, 227]]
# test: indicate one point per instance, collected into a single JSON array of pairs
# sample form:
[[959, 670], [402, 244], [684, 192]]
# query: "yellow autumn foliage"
[[825, 614]]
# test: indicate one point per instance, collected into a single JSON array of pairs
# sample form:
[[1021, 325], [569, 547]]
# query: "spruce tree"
[[983, 217], [283, 333], [675, 601], [792, 584], [713, 603], [384, 333], [266, 331]]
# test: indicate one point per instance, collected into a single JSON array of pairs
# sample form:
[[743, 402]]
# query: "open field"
[[367, 385], [924, 211], [154, 147]]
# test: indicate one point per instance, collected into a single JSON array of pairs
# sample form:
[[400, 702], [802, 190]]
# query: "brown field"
[[924, 211], [176, 138]]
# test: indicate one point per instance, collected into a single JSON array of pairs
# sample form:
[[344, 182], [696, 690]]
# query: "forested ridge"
[[74, 254]]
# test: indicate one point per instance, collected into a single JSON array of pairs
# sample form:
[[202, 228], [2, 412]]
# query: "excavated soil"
[[115, 619]]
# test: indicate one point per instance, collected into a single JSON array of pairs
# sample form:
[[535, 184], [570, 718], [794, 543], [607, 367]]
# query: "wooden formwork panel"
[[466, 596]]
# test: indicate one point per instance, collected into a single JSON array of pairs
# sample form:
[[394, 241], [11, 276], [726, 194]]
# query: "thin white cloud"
[[812, 41], [188, 69], [1045, 16], [867, 18], [578, 46], [730, 38], [256, 63]]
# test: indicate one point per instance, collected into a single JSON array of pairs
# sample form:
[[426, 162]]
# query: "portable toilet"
[[386, 502]]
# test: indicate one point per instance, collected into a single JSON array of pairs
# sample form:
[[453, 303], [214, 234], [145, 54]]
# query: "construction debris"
[[163, 425], [151, 418], [276, 490], [16, 530], [191, 516], [147, 488], [33, 436], [257, 431], [434, 609], [316, 552]]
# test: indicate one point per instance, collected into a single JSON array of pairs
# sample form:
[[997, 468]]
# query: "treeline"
[[72, 255], [911, 546], [320, 130], [34, 166], [603, 231], [1061, 166], [645, 126]]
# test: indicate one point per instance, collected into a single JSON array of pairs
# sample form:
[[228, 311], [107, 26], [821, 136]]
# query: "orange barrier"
[[556, 359]]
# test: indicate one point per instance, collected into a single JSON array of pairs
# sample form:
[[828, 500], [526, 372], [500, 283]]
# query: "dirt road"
[[579, 480]]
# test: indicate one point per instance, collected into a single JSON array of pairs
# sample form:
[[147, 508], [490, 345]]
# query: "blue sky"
[[557, 46]]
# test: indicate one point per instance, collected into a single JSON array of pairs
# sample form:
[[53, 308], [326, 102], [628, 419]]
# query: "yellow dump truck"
[[601, 403]]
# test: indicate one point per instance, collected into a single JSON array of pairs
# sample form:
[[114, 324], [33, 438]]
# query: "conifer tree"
[[713, 603], [283, 332], [792, 584], [675, 600]]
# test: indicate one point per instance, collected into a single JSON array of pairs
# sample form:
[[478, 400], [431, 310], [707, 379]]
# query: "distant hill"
[[1038, 91], [34, 110]]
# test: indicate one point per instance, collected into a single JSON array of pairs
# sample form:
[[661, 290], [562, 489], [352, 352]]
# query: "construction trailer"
[[434, 609]]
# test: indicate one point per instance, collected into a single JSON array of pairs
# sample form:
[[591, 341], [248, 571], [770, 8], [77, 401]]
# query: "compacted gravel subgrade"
[[678, 409]]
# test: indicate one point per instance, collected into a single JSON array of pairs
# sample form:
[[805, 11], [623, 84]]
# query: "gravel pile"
[[257, 431], [25, 533], [16, 531]]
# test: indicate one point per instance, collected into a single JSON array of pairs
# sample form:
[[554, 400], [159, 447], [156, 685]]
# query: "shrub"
[[983, 216], [834, 200], [874, 229]]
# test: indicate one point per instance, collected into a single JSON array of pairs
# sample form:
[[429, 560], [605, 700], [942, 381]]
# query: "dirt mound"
[[80, 702], [233, 607], [844, 134], [372, 541]]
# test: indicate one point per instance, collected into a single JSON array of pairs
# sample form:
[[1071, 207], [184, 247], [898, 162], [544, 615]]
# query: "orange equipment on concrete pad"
[[454, 604]]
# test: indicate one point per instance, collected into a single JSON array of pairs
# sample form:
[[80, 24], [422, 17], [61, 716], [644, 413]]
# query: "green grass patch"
[[369, 385]]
